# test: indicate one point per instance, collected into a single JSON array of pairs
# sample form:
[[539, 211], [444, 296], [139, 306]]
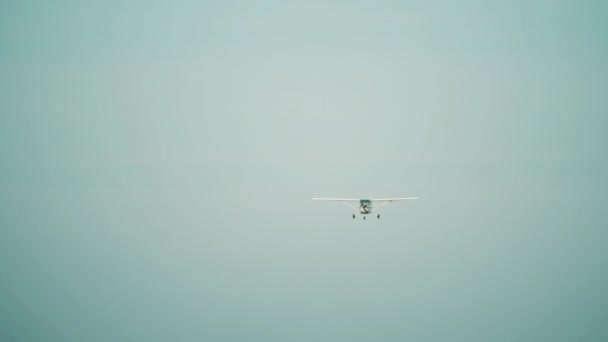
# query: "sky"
[[158, 160]]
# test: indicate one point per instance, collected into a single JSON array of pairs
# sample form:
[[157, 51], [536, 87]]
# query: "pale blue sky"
[[157, 162]]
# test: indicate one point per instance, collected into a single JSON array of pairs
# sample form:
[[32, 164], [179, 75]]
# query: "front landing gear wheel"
[[378, 216], [353, 216], [364, 217]]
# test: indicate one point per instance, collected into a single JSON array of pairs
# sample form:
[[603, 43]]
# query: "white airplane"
[[365, 205]]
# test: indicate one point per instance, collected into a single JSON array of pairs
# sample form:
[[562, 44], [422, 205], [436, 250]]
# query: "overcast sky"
[[157, 162]]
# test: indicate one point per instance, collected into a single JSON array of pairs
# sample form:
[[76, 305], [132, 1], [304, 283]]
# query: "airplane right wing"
[[345, 201]]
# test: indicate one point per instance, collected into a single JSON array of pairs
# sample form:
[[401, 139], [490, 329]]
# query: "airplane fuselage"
[[365, 206]]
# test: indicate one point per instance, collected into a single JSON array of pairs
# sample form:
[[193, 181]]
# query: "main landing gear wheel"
[[378, 216], [364, 217], [353, 216]]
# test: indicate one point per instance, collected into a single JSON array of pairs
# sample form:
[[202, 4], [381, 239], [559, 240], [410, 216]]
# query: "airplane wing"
[[382, 202], [393, 199], [337, 199]]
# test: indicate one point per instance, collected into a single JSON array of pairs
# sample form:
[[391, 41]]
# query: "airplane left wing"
[[393, 199]]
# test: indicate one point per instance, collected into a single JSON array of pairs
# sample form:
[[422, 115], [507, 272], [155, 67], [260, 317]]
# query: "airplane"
[[365, 205]]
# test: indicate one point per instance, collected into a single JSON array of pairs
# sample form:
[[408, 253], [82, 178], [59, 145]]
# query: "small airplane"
[[365, 205]]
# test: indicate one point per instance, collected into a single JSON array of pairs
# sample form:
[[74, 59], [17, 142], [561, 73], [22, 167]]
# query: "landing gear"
[[353, 216], [378, 216], [364, 217]]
